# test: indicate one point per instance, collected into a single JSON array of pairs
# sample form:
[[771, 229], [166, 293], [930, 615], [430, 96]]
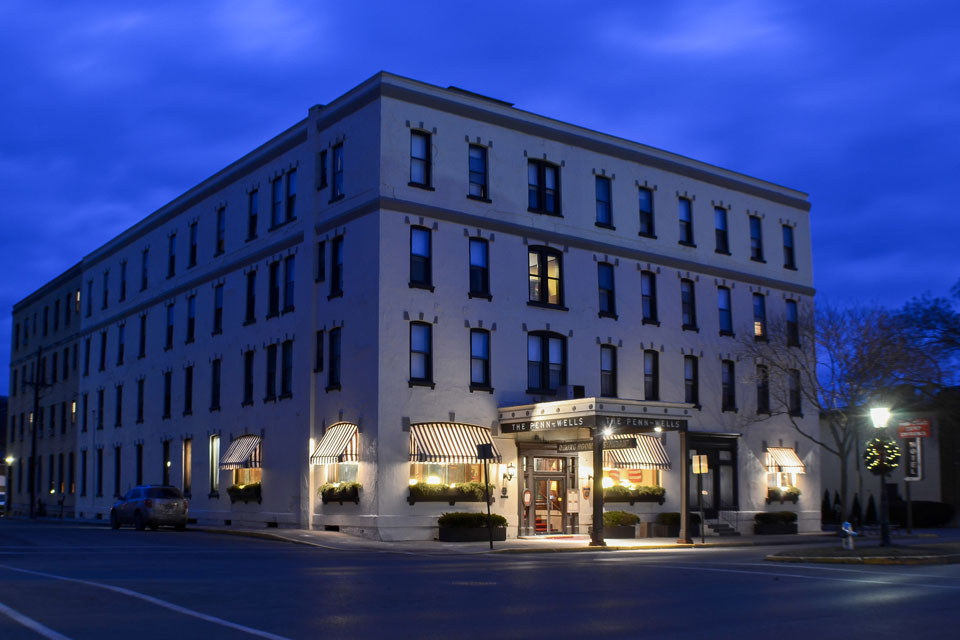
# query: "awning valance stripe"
[[449, 442], [243, 453], [648, 454], [338, 444], [784, 460]]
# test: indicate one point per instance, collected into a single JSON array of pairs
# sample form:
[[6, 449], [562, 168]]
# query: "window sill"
[[335, 294], [723, 253], [140, 421], [687, 244], [188, 413], [332, 387], [249, 322], [795, 414], [760, 260], [482, 296], [479, 198], [285, 396], [545, 212], [163, 417], [690, 327], [188, 341], [789, 267], [605, 225], [335, 198], [727, 334], [760, 339], [729, 409], [289, 309], [273, 314], [480, 387], [170, 275], [763, 412], [216, 408], [216, 332], [251, 238], [418, 185], [218, 253], [607, 314], [421, 383], [280, 224], [269, 399], [322, 186], [541, 392], [652, 236], [546, 305], [794, 344], [421, 285], [650, 321], [248, 403], [168, 347], [191, 265]]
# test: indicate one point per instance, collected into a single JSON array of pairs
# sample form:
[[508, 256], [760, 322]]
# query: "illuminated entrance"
[[546, 480]]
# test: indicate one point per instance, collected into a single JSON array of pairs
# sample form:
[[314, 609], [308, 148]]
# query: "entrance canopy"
[[338, 444], [784, 460], [449, 442], [610, 414], [648, 454], [243, 453]]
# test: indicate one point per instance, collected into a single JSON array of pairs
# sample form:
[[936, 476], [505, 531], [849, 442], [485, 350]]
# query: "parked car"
[[150, 505]]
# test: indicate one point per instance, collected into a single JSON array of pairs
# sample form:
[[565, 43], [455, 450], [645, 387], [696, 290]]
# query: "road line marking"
[[816, 566], [32, 624], [156, 601]]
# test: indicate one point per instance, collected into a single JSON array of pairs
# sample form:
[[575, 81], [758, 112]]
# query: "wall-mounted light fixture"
[[510, 472]]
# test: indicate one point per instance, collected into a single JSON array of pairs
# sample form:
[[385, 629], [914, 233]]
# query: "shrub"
[[672, 518], [338, 491], [826, 511], [856, 511], [775, 517], [620, 519], [646, 490], [469, 491], [871, 515], [616, 491], [474, 490], [469, 520], [244, 492]]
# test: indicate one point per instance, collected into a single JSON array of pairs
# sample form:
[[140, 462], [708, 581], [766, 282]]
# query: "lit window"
[[545, 277], [759, 316]]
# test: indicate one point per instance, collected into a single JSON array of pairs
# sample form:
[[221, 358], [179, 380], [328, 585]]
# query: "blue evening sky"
[[110, 109]]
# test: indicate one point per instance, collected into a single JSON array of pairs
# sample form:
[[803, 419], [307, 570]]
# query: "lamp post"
[[9, 487], [880, 416]]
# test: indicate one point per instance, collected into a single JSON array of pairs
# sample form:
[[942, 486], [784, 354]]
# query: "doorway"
[[545, 481], [720, 482]]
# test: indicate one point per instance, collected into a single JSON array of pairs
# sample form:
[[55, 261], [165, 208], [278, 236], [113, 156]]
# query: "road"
[[80, 582]]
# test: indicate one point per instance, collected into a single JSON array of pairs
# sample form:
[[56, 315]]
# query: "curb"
[[877, 560]]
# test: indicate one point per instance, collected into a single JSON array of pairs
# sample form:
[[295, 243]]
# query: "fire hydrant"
[[848, 534]]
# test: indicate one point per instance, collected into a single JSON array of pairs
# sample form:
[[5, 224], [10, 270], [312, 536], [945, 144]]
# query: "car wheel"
[[138, 521], [114, 520]]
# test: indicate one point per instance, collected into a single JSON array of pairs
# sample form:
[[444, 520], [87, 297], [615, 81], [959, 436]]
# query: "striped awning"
[[449, 442], [243, 453], [338, 444], [648, 454], [784, 460]]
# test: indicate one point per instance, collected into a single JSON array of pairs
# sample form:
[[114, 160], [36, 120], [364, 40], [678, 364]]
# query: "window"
[[289, 271], [139, 464], [333, 374], [763, 389], [247, 378], [270, 393], [60, 486], [53, 367], [608, 371], [543, 188], [100, 404], [273, 298], [546, 362], [85, 399], [604, 202], [756, 239], [140, 391], [118, 407], [116, 472], [318, 352], [215, 367], [322, 169], [691, 380], [103, 356], [726, 315], [83, 472], [253, 210], [144, 261], [191, 318], [646, 212], [218, 309], [789, 257], [250, 313], [106, 299], [142, 346], [759, 317], [169, 336], [648, 297], [99, 472], [187, 468], [167, 393], [479, 269], [72, 466], [220, 241], [337, 190], [479, 359], [477, 166], [121, 342], [793, 380], [166, 462], [89, 305], [192, 256], [213, 463], [321, 261], [545, 277], [651, 375], [420, 268], [720, 222], [276, 201], [793, 324], [421, 356], [686, 221], [688, 305], [336, 267], [123, 283], [419, 159], [188, 391], [286, 369], [172, 255], [291, 212], [728, 394], [608, 302]]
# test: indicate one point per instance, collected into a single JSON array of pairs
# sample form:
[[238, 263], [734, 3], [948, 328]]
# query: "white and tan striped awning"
[[648, 454], [449, 442], [243, 453], [338, 444], [784, 460]]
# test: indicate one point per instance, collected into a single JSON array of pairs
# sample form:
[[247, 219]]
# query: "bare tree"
[[836, 363]]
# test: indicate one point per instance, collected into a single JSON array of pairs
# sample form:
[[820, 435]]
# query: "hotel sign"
[[587, 445], [616, 423]]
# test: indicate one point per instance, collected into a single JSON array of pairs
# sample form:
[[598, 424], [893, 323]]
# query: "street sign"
[[573, 446], [913, 460], [700, 464], [919, 428], [485, 451]]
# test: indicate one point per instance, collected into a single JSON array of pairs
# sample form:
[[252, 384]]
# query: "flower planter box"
[[480, 534], [620, 531], [632, 497], [782, 497], [350, 495], [673, 531], [249, 493], [774, 529], [448, 495]]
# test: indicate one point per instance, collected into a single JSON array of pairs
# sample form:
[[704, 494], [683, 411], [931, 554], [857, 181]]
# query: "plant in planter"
[[773, 523], [643, 493], [463, 492], [668, 524], [783, 494], [340, 492], [620, 524], [245, 492], [462, 526]]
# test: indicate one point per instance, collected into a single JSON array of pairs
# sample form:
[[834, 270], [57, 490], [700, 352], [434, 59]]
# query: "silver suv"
[[150, 505]]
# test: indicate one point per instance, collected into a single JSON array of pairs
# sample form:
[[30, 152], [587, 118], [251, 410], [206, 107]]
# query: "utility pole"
[[37, 383]]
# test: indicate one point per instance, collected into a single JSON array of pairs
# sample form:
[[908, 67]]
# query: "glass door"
[[549, 510]]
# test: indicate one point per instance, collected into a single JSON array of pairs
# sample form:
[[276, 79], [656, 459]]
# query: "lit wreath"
[[883, 449]]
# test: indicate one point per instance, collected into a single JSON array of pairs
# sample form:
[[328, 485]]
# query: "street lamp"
[[880, 416]]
